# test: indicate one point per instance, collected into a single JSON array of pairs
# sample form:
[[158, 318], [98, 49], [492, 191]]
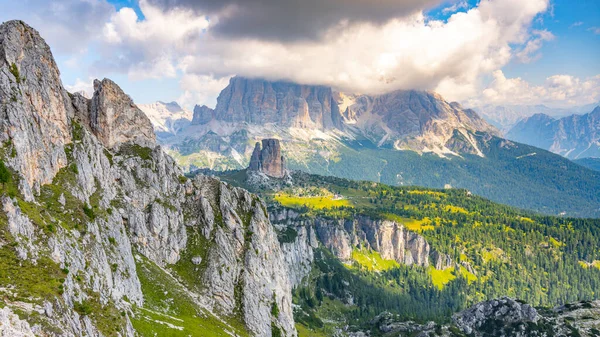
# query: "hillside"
[[591, 163], [363, 248]]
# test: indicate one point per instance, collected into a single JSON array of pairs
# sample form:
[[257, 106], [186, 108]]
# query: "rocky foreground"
[[504, 317]]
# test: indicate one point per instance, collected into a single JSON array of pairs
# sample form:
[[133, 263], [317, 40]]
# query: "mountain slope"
[[100, 232], [575, 136], [357, 249]]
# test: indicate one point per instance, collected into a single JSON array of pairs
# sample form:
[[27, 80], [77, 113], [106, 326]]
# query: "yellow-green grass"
[[304, 331], [372, 260], [415, 225], [316, 203], [440, 278], [593, 264], [170, 311], [432, 193], [455, 209], [468, 275]]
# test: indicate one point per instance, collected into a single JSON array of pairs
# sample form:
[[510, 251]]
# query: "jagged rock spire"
[[268, 160]]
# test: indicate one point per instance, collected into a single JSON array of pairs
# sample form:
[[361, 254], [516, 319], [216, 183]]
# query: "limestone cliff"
[[268, 159], [258, 101], [341, 236], [98, 220]]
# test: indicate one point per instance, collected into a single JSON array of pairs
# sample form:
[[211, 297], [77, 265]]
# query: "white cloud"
[[576, 24], [595, 30], [68, 25], [407, 53], [201, 89], [528, 53], [456, 7], [87, 87], [557, 91]]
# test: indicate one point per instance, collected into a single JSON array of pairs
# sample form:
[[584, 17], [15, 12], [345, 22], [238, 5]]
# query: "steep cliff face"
[[390, 239], [32, 97], [268, 159], [259, 101], [202, 115], [116, 120], [92, 204]]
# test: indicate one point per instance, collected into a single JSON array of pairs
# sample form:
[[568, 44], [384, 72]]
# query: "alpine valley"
[[401, 138], [103, 233]]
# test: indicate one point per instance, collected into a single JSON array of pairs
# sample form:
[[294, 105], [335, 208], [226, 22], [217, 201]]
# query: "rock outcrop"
[[503, 317], [116, 120], [258, 101], [268, 159], [92, 199], [202, 115]]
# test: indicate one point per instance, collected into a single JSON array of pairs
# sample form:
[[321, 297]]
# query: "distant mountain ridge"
[[574, 137], [504, 117], [168, 118]]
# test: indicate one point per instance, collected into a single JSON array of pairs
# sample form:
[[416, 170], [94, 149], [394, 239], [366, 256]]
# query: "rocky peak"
[[257, 101], [202, 115], [35, 106], [268, 160], [116, 120]]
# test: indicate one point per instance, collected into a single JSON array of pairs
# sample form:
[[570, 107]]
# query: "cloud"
[[68, 25], [595, 30], [527, 54], [576, 24], [86, 87], [148, 48], [277, 20], [557, 91], [456, 7], [409, 52], [201, 89]]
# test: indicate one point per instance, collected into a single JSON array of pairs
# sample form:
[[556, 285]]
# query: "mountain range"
[[505, 117], [399, 138], [574, 136], [103, 234]]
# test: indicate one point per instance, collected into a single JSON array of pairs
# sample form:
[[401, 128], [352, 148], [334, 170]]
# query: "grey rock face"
[[116, 120], [268, 160], [341, 237], [257, 101], [505, 311], [202, 115], [32, 97], [140, 199]]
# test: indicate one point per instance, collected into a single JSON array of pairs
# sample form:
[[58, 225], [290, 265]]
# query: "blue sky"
[[489, 52]]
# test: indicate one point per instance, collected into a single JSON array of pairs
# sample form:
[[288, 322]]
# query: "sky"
[[498, 52]]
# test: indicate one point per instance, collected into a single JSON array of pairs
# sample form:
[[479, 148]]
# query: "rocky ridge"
[[91, 196], [574, 136]]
